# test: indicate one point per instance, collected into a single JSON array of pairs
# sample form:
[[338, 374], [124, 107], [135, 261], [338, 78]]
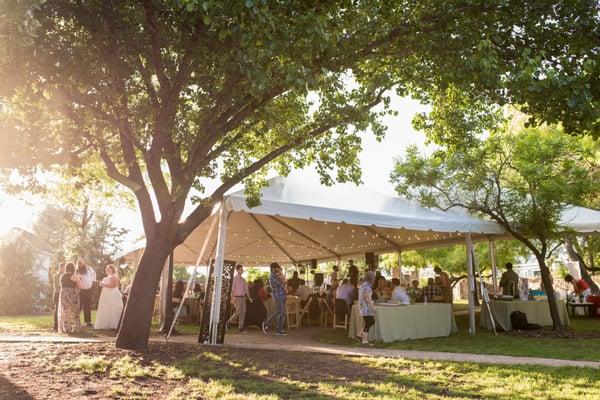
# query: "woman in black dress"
[[255, 310]]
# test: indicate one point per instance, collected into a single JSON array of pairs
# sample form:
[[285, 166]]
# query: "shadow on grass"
[[8, 390]]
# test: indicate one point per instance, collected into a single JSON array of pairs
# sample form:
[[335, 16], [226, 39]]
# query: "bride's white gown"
[[110, 306]]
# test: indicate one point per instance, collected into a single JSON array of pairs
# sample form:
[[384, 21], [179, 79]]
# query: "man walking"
[[239, 294], [277, 282]]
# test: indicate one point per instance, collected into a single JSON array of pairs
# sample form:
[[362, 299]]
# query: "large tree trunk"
[[547, 280], [137, 317], [583, 268]]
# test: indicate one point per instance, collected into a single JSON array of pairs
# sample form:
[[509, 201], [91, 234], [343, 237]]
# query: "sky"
[[376, 159]]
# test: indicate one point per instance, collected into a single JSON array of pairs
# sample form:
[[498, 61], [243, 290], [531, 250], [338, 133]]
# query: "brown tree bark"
[[137, 316], [547, 280]]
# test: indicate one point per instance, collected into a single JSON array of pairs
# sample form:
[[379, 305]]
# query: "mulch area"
[[32, 370], [548, 333]]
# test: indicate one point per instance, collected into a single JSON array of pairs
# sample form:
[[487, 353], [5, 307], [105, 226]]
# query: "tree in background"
[[174, 92], [522, 179], [20, 285], [453, 259]]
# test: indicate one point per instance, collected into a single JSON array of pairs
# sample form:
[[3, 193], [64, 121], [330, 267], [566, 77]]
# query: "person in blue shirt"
[[277, 282]]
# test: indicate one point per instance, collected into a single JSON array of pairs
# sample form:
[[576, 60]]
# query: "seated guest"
[[293, 283], [259, 287], [329, 294], [432, 292], [178, 293], [303, 292], [379, 294], [580, 287], [345, 292], [415, 292], [198, 293], [399, 294]]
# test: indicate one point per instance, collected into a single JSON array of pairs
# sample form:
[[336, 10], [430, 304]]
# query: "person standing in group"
[[56, 292], [445, 286], [509, 282], [239, 294], [68, 305], [277, 282], [88, 277], [353, 273], [366, 306], [110, 304], [334, 278]]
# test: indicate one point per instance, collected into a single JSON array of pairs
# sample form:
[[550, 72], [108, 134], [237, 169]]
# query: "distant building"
[[39, 248]]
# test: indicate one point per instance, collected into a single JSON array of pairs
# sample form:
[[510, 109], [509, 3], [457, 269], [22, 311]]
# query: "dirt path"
[[302, 341]]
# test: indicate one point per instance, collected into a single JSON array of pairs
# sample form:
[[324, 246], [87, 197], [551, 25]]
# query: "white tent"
[[580, 220], [299, 219]]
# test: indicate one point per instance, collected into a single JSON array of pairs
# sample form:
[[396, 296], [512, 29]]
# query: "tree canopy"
[[523, 179]]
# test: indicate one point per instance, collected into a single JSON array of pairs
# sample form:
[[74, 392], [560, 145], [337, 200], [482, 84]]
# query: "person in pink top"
[[239, 294]]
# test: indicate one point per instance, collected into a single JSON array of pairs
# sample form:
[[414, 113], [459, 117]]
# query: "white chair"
[[305, 311], [340, 309], [292, 312], [326, 313]]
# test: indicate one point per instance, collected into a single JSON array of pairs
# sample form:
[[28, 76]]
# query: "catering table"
[[538, 312], [401, 322]]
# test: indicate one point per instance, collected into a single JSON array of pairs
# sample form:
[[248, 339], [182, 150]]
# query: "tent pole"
[[193, 276], [164, 282], [471, 281], [399, 271], [493, 263], [218, 274]]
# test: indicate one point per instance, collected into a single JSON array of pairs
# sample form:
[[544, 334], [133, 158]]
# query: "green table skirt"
[[538, 312], [396, 322]]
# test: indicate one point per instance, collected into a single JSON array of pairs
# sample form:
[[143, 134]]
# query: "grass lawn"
[[42, 324], [485, 342], [178, 372]]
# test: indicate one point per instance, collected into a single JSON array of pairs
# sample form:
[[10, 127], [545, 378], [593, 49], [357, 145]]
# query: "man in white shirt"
[[88, 277], [399, 294], [344, 291], [239, 294]]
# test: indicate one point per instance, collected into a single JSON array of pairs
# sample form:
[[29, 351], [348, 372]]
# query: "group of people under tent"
[[248, 298], [437, 290]]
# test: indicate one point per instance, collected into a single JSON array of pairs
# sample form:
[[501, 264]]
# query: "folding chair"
[[340, 309], [326, 312], [292, 311], [305, 311]]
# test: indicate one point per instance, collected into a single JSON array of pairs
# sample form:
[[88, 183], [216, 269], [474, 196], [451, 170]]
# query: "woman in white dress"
[[110, 305]]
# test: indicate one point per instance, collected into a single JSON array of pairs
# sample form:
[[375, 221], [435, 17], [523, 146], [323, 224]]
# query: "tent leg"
[[493, 263], [163, 293], [218, 272], [471, 280]]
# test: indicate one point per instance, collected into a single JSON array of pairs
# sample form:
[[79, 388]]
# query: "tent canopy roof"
[[299, 219]]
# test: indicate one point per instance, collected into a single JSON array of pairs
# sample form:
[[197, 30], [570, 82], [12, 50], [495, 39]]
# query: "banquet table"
[[401, 322], [538, 312]]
